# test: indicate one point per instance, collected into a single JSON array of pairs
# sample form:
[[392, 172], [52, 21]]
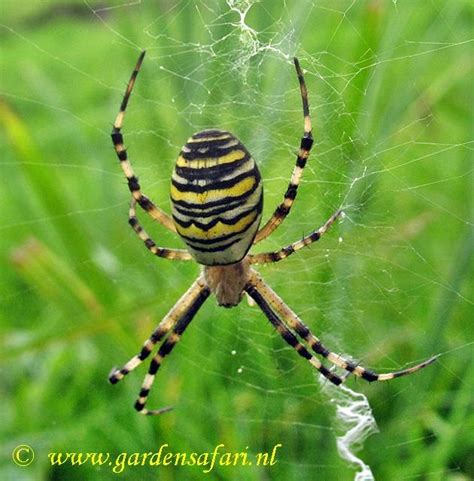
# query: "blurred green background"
[[390, 85]]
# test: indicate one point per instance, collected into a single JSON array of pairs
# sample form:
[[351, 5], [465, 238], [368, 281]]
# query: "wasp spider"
[[216, 198]]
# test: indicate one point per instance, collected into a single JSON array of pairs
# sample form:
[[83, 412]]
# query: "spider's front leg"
[[166, 349], [254, 291], [272, 304], [176, 321]]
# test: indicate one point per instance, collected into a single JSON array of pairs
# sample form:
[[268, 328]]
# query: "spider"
[[216, 198]]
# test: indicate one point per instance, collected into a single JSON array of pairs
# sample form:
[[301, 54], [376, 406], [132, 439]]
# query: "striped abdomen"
[[216, 196]]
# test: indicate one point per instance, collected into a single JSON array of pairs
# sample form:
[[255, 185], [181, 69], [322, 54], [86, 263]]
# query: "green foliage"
[[390, 93]]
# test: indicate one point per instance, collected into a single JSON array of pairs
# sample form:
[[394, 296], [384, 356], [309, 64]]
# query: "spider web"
[[397, 169]]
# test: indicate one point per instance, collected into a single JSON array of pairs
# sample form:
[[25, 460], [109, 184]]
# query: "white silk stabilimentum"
[[354, 418]]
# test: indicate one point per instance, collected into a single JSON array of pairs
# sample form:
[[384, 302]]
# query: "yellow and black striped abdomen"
[[216, 196]]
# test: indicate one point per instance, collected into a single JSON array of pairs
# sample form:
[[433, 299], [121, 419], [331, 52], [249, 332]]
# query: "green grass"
[[392, 104]]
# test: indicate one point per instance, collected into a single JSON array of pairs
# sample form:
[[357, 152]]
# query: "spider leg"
[[172, 254], [145, 203], [306, 143], [266, 257], [166, 348], [295, 323], [254, 292], [168, 322]]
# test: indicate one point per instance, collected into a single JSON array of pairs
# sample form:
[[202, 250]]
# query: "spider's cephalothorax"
[[216, 197]]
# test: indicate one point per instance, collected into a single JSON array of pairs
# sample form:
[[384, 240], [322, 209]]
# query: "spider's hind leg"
[[306, 143], [117, 139], [171, 254], [276, 256]]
